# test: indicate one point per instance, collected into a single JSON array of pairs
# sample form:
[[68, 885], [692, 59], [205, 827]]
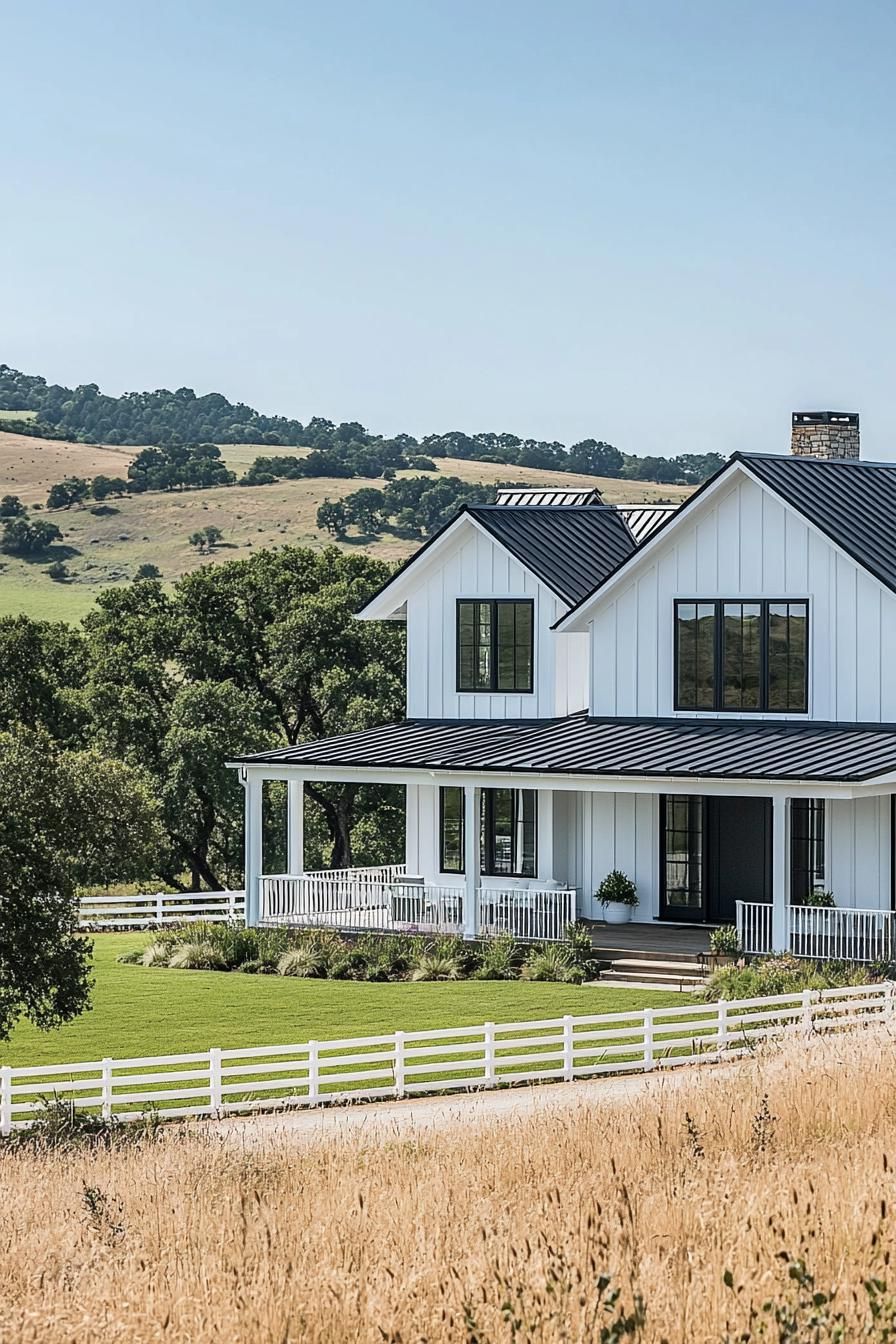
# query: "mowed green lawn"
[[139, 1010]]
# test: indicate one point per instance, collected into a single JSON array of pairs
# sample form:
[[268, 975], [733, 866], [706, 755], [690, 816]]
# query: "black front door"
[[714, 852], [738, 853]]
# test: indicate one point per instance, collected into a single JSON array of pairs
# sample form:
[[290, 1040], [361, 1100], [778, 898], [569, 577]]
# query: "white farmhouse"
[[701, 697]]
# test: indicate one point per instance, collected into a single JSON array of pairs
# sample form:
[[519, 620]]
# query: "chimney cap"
[[825, 418]]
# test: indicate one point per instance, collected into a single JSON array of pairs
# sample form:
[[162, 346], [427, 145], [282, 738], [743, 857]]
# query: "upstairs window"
[[495, 645], [742, 657]]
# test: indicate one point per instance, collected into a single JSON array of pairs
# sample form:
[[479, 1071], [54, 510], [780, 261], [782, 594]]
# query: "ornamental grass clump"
[[784, 974], [197, 955], [553, 962]]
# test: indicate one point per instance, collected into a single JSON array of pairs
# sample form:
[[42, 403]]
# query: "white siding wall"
[[479, 567], [748, 545], [858, 853]]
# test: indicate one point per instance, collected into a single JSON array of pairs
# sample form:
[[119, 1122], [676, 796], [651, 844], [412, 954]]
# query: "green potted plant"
[[618, 895], [724, 945]]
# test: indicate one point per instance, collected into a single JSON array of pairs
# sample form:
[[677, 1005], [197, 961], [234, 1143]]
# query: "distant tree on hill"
[[593, 458], [101, 487], [147, 571], [58, 571], [73, 490], [188, 466], [206, 539], [331, 518], [19, 537], [11, 507]]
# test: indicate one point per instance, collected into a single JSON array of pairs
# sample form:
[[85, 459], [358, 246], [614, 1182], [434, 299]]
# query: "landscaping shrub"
[[257, 967], [782, 974], [198, 955], [724, 941], [156, 954], [554, 962], [60, 1124], [307, 961], [500, 959], [435, 964]]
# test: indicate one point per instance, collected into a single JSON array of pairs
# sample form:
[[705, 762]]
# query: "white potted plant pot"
[[617, 913], [618, 897]]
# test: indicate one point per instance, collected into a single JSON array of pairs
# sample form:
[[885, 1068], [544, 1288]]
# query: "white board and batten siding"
[[742, 544], [477, 567]]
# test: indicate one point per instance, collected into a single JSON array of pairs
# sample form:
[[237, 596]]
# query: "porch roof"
[[581, 745]]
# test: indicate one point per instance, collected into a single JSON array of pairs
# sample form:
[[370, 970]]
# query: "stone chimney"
[[826, 434]]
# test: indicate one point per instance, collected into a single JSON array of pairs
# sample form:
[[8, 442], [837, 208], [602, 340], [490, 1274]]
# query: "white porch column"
[[253, 847], [780, 873], [295, 827], [471, 859]]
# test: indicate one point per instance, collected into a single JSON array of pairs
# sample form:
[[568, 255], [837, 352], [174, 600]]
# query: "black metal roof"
[[580, 745], [568, 547], [852, 502]]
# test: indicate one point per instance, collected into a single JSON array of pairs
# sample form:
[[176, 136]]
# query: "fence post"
[[399, 1063], [160, 909], [648, 1038], [568, 1058], [890, 998], [5, 1101], [489, 1074], [806, 1018], [313, 1073], [722, 1033], [215, 1095], [107, 1089]]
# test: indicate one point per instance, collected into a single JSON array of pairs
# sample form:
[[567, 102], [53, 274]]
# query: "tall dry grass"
[[503, 1234]]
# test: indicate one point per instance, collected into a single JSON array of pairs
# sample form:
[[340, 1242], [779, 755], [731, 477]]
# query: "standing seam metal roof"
[[569, 547], [592, 746], [852, 502]]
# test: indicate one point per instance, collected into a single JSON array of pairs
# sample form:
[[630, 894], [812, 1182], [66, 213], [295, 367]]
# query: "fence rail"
[[452, 1059], [754, 926], [539, 914], [123, 912]]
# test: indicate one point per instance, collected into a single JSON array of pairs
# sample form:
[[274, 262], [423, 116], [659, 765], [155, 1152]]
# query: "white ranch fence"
[[820, 933], [450, 1059], [128, 912], [388, 900]]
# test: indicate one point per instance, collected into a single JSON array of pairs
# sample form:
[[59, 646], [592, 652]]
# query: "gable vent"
[[545, 497]]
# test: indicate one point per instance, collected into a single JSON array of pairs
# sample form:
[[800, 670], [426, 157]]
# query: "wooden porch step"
[[606, 952], [672, 974]]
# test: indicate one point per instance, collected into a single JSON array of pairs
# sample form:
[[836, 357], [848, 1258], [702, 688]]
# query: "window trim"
[[493, 602], [718, 604]]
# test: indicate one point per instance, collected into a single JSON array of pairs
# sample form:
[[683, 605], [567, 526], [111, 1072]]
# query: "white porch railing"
[[388, 900], [536, 915], [128, 912], [842, 935], [754, 926], [821, 933]]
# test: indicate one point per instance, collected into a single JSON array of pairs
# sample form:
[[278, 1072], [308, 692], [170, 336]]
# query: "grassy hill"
[[106, 548]]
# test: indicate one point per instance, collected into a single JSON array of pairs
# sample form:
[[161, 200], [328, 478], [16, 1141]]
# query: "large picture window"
[[507, 832], [495, 645], [742, 656]]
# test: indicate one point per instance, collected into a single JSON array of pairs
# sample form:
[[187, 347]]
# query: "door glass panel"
[[684, 853]]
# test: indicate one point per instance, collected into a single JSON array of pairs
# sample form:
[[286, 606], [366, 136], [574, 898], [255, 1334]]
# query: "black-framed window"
[[684, 857], [451, 830], [742, 656], [807, 848], [507, 832], [495, 644]]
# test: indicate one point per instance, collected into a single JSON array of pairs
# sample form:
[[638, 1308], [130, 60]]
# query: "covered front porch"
[[498, 840]]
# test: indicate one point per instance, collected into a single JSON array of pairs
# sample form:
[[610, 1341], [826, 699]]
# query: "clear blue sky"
[[665, 224]]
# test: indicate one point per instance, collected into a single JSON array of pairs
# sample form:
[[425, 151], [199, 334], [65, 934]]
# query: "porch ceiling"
[[579, 745]]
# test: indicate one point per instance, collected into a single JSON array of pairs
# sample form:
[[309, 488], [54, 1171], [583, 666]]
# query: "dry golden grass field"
[[762, 1174], [106, 549]]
